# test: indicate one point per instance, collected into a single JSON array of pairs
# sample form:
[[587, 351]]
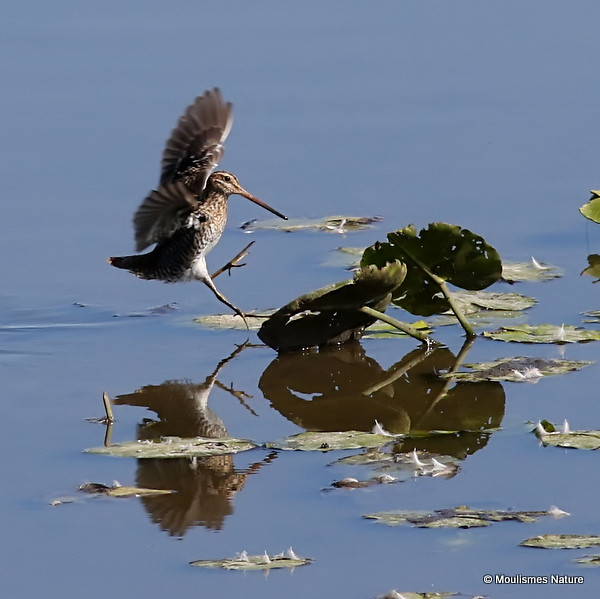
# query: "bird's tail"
[[140, 265]]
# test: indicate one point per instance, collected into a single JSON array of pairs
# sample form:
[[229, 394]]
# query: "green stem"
[[401, 326], [441, 283]]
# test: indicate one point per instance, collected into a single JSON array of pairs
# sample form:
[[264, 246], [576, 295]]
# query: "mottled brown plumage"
[[185, 217]]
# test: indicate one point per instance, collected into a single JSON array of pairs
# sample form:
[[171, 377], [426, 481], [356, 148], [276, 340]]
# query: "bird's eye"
[[227, 178]]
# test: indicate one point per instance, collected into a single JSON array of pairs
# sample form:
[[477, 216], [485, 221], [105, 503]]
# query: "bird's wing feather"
[[196, 144], [162, 212]]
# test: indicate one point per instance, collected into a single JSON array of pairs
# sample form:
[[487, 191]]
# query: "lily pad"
[[327, 441], [331, 314], [118, 490], [243, 561], [548, 434], [592, 316], [233, 321], [474, 301], [329, 224], [455, 255], [513, 272], [589, 560], [175, 447], [459, 517], [517, 370], [344, 257], [562, 541], [422, 463], [591, 210], [383, 330], [544, 333]]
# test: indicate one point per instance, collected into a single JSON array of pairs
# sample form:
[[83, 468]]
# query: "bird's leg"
[[223, 299], [233, 263]]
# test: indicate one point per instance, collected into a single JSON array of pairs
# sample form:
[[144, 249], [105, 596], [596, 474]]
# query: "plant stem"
[[401, 326], [441, 283]]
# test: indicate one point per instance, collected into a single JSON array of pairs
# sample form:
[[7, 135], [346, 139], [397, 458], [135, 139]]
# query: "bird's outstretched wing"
[[164, 210], [196, 144]]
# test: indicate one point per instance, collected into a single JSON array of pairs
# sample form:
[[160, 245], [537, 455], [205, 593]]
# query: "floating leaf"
[[344, 257], [458, 517], [233, 321], [327, 441], [544, 333], [562, 541], [175, 447], [517, 370], [593, 316], [243, 561], [474, 301], [589, 560], [330, 224], [331, 314], [591, 210], [549, 435], [120, 491], [456, 255], [411, 464], [593, 270], [529, 271]]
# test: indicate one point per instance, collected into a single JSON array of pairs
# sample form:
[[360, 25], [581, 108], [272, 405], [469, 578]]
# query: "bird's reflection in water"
[[341, 388], [205, 486]]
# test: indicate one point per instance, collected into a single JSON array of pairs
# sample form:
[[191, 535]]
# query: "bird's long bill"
[[250, 197]]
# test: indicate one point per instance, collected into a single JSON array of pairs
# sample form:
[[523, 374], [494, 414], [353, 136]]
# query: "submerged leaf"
[[243, 561], [327, 441], [175, 447], [456, 255], [591, 210], [517, 370], [458, 517], [544, 333], [474, 301], [549, 434], [562, 541], [331, 314], [529, 271], [330, 224]]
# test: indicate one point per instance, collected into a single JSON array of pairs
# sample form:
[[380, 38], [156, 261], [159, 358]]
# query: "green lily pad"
[[175, 447], [327, 441], [456, 255], [593, 270], [459, 517], [120, 491], [233, 321], [517, 370], [562, 541], [548, 434], [243, 561], [329, 224], [592, 316], [591, 210], [529, 271], [331, 314], [589, 560], [544, 333]]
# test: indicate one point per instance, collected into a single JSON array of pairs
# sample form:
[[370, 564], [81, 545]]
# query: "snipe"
[[185, 217]]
